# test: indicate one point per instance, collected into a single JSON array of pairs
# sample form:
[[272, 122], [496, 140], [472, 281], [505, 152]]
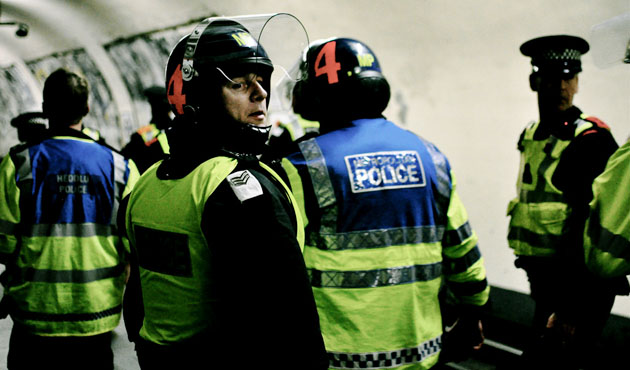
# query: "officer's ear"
[[534, 81]]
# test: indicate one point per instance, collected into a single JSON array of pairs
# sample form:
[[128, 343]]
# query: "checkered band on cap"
[[38, 121], [566, 54], [30, 118], [556, 51]]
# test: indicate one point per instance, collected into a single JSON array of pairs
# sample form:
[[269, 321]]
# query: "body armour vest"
[[607, 232], [539, 213], [375, 255], [67, 278], [175, 268]]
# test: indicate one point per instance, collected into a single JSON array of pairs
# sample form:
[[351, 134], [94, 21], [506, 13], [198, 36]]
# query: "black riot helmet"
[[217, 50], [341, 79], [204, 60]]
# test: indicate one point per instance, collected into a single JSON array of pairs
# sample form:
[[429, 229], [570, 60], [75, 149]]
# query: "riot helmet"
[[216, 51], [198, 63], [341, 78]]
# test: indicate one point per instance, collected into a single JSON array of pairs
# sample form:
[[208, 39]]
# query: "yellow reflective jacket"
[[58, 237], [539, 213], [178, 291], [385, 230], [607, 231]]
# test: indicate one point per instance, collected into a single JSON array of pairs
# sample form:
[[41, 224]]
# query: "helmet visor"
[[284, 38], [279, 37]]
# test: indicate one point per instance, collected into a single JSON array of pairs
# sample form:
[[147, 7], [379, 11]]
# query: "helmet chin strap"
[[241, 137]]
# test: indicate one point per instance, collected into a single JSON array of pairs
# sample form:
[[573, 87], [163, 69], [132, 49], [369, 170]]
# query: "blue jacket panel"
[[73, 178], [375, 165]]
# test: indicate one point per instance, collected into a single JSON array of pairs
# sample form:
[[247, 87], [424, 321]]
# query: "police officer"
[[561, 154], [216, 233], [607, 230], [149, 143], [385, 226], [607, 234], [30, 126], [58, 238]]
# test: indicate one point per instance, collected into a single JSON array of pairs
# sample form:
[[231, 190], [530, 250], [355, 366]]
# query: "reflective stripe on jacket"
[[388, 227], [58, 236], [93, 133], [539, 213], [607, 232], [174, 257]]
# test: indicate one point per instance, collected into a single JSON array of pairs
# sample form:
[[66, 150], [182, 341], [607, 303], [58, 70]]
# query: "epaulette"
[[598, 122], [598, 125]]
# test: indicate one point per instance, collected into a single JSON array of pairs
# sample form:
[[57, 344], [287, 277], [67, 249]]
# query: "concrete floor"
[[124, 355]]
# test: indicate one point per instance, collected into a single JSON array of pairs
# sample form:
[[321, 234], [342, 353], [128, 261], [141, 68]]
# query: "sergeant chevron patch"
[[244, 185]]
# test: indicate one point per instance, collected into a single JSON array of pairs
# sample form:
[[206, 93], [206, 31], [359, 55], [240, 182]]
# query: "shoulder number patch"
[[244, 185], [385, 170]]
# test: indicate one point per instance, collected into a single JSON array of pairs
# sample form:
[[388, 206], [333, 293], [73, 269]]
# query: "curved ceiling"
[[456, 73], [56, 25]]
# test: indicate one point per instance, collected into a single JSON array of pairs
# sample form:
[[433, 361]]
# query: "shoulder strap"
[[595, 125]]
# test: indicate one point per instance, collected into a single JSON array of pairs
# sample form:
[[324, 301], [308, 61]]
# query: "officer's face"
[[556, 91], [245, 99]]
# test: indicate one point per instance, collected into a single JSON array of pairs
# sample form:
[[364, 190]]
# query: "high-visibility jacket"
[[385, 227], [174, 259], [607, 231], [147, 146], [93, 133], [298, 127], [539, 213], [151, 134], [58, 236]]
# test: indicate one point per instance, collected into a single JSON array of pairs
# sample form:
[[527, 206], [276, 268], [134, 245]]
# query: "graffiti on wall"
[[141, 61], [15, 98]]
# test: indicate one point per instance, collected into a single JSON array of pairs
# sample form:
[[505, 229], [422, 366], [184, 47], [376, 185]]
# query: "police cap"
[[556, 54], [29, 118]]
